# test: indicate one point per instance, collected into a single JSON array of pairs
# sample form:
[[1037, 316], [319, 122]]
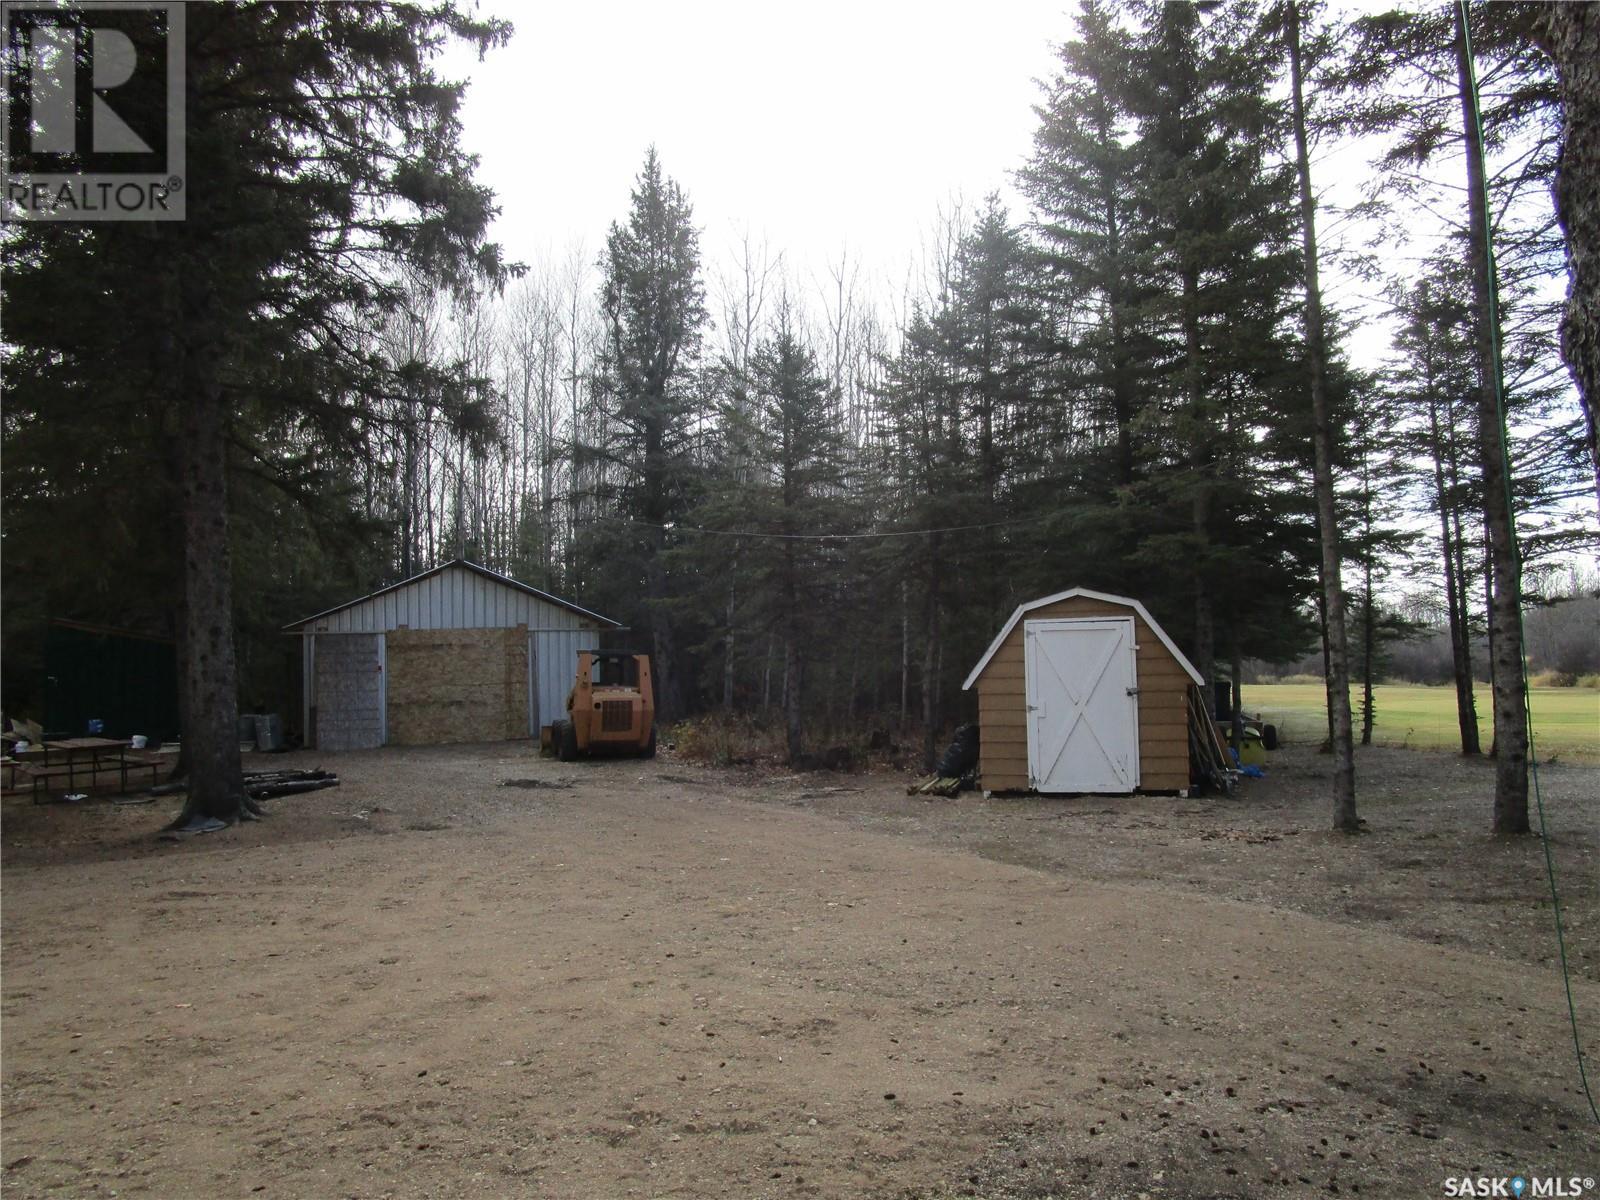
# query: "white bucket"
[[138, 741]]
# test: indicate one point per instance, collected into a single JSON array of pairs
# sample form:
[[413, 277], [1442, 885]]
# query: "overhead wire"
[[678, 527]]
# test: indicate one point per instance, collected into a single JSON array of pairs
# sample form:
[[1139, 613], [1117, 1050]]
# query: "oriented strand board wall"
[[1163, 714], [457, 685]]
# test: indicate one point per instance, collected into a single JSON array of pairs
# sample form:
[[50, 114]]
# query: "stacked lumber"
[[957, 767], [1210, 761], [936, 785], [261, 785]]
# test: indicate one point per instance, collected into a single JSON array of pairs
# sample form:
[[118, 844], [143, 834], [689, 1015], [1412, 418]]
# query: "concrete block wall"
[[457, 685], [349, 692]]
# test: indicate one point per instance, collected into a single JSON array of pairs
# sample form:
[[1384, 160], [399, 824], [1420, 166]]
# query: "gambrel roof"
[[1128, 601]]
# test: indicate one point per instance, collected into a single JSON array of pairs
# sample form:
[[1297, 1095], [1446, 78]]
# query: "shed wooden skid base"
[[1163, 681]]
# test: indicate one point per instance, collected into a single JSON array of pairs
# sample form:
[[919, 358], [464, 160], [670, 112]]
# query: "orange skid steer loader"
[[611, 708]]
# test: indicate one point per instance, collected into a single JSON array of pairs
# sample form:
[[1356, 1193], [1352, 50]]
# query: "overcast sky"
[[842, 126], [818, 128]]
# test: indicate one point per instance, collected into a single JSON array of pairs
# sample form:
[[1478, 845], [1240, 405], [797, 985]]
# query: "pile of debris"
[[262, 785], [1211, 763], [956, 769]]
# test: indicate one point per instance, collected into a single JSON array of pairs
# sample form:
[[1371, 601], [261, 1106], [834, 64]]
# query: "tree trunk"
[[766, 679], [1570, 34], [1488, 621], [727, 659], [791, 700], [664, 654], [1510, 694], [930, 660], [1369, 637], [1236, 692], [905, 654], [1200, 507], [1338, 677], [210, 680], [1460, 634], [1322, 633]]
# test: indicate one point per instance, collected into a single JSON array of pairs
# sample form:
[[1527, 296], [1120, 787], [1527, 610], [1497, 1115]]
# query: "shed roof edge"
[[1070, 593], [442, 567]]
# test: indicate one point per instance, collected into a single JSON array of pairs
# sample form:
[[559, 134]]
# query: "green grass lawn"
[[1566, 721]]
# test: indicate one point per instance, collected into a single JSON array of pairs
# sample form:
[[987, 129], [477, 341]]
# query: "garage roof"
[[1024, 609], [494, 576]]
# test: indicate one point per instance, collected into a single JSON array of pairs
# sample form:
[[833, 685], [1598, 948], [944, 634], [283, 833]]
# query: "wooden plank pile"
[[936, 785], [957, 767], [1210, 761], [262, 785]]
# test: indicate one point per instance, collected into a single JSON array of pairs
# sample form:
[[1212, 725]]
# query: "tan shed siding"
[[1002, 720], [1163, 704]]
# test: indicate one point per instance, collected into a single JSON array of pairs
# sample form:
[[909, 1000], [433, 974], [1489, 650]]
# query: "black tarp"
[[126, 681]]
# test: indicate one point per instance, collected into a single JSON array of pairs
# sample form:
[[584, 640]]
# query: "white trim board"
[[1031, 605]]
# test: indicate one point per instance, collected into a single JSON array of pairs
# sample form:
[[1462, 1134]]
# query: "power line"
[[825, 537]]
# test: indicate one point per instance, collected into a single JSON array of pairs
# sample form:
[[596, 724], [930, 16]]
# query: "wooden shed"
[[1083, 692], [456, 654]]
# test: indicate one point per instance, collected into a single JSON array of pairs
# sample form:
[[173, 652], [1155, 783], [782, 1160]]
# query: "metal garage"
[[456, 654], [1083, 692]]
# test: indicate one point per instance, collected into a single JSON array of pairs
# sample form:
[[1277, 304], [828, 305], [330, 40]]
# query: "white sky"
[[829, 128], [818, 128]]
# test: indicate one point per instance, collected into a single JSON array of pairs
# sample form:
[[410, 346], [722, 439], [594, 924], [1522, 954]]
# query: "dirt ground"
[[473, 972]]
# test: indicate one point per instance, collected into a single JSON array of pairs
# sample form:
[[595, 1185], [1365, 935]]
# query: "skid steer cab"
[[611, 708]]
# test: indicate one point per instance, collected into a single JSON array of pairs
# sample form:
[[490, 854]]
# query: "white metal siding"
[[555, 666], [452, 599]]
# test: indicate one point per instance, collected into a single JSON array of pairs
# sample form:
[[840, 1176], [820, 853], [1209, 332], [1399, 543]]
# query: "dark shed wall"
[[1163, 699]]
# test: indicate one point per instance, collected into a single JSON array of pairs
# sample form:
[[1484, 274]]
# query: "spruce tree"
[[1322, 440], [322, 154], [1506, 659], [1433, 379], [1215, 244], [800, 492], [647, 388]]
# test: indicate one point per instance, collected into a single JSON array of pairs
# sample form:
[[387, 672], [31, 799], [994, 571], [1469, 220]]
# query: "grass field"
[[1566, 721]]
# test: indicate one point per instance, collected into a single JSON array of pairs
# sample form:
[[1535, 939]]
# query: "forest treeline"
[[816, 494]]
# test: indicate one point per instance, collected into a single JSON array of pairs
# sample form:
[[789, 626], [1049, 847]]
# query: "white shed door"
[[1083, 704]]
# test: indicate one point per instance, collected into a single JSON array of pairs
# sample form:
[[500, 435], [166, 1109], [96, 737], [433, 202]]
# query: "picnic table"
[[71, 757]]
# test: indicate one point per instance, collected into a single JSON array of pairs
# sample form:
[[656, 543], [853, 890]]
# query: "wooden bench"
[[39, 775], [42, 778]]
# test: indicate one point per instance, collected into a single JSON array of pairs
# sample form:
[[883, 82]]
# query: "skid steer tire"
[[566, 742]]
